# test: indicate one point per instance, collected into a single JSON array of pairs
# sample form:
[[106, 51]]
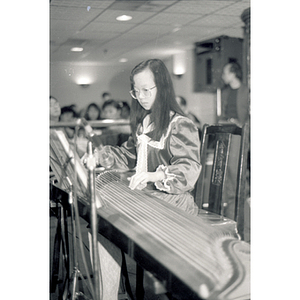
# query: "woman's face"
[[143, 82], [93, 113]]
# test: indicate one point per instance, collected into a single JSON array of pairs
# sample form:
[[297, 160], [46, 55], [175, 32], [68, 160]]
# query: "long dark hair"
[[164, 103]]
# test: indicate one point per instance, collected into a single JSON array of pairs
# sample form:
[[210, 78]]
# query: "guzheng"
[[196, 257]]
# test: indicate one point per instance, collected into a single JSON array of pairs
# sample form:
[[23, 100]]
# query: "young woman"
[[164, 149], [164, 146]]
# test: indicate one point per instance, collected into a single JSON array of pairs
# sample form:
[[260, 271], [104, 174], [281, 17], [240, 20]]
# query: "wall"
[[63, 86], [63, 78], [203, 105]]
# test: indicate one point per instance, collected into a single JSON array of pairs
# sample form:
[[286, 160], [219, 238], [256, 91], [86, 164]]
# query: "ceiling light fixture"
[[124, 18], [123, 60], [77, 49], [84, 81], [176, 29]]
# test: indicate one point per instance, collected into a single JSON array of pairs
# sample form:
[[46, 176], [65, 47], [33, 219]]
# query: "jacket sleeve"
[[184, 169], [125, 155]]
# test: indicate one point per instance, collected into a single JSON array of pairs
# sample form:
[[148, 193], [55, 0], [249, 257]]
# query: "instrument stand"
[[73, 294], [91, 165], [61, 243]]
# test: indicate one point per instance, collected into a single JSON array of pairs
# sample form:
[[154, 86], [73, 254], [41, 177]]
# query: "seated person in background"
[[183, 105], [93, 112], [115, 134], [106, 96], [75, 108], [68, 114], [164, 148], [54, 110], [126, 130], [111, 109], [125, 113]]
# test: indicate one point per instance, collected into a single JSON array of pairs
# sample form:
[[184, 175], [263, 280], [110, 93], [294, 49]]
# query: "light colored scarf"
[[142, 144], [143, 141]]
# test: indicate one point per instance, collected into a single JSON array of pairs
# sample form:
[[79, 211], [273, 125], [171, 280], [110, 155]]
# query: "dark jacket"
[[242, 103]]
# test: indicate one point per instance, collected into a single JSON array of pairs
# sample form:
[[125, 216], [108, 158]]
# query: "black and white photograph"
[[151, 149]]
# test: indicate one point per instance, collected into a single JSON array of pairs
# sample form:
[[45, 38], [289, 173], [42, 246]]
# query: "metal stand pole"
[[76, 272], [91, 164], [75, 261]]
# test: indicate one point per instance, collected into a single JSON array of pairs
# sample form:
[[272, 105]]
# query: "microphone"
[[95, 139]]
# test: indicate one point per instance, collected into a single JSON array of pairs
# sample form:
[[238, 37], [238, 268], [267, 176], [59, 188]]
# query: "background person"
[[111, 109], [183, 105], [68, 114], [125, 110], [106, 96], [93, 112], [54, 109], [235, 109], [114, 134], [235, 96]]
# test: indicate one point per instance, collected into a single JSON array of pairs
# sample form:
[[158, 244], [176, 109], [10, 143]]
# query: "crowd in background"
[[110, 109], [107, 108]]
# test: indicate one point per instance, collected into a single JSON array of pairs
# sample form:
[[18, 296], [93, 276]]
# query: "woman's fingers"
[[138, 181]]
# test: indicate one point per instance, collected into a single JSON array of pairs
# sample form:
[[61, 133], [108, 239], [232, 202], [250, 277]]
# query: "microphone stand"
[[91, 164]]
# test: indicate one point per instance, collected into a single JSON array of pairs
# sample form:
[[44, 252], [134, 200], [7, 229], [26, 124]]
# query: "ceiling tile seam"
[[107, 8], [136, 25], [149, 18], [209, 14], [145, 43], [124, 31], [83, 27]]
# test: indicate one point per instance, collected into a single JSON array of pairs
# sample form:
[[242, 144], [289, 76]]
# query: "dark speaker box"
[[210, 58]]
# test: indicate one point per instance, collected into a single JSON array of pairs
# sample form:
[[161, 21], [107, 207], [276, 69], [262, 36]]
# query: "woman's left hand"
[[139, 181]]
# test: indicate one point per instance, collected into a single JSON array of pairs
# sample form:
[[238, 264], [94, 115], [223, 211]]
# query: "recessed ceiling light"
[[77, 49], [124, 18], [176, 29], [123, 60]]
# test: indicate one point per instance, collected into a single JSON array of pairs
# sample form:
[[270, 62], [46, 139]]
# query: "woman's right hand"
[[104, 158]]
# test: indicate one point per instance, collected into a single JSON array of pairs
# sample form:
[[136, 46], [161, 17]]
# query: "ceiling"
[[157, 29]]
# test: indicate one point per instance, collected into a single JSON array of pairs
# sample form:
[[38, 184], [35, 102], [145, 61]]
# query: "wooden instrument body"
[[196, 257]]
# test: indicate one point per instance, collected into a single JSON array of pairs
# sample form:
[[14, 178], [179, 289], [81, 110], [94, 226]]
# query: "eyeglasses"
[[146, 92]]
